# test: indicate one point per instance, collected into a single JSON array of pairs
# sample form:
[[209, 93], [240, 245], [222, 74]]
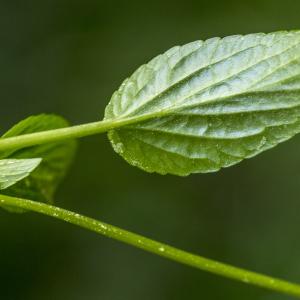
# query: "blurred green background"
[[68, 57]]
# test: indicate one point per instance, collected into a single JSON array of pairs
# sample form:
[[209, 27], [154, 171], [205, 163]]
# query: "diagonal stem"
[[57, 135], [155, 247], [71, 132]]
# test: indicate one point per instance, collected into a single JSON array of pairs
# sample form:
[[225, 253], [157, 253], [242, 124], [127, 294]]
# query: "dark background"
[[68, 57]]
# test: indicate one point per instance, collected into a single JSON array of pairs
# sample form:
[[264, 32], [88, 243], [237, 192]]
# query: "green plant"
[[196, 108]]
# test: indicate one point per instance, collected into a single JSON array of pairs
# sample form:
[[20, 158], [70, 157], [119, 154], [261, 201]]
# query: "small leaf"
[[14, 170], [209, 104], [56, 159]]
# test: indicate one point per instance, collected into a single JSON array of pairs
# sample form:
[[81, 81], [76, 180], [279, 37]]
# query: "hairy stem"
[[155, 247]]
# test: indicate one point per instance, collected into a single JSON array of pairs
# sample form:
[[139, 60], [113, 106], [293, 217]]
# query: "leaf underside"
[[14, 170], [42, 183], [209, 104]]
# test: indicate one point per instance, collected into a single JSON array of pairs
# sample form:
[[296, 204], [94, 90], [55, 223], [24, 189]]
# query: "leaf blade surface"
[[209, 104]]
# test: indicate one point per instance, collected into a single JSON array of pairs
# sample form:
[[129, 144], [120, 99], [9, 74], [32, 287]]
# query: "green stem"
[[155, 247], [56, 135], [61, 134]]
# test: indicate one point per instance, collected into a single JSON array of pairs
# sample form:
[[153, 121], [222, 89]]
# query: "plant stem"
[[155, 247], [61, 134], [56, 135]]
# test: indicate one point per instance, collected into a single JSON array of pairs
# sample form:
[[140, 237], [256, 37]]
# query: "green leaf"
[[14, 170], [56, 159], [209, 104]]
